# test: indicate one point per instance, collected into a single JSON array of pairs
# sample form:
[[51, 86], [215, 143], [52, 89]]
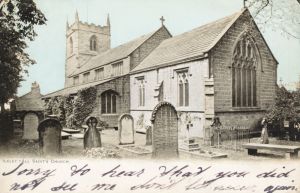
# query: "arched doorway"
[[31, 122]]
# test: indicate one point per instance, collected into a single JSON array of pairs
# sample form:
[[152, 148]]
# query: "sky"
[[129, 20]]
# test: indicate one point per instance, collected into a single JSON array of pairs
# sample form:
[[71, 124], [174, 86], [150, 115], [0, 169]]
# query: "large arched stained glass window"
[[244, 67]]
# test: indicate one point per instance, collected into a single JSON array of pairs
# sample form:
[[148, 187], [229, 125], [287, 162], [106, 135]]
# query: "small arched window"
[[244, 67], [93, 43], [71, 45]]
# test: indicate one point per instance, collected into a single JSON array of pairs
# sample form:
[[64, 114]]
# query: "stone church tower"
[[84, 41]]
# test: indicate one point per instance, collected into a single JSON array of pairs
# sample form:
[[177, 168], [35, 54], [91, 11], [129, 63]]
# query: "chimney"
[[35, 87]]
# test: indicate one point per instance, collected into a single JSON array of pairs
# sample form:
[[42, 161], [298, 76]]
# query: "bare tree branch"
[[265, 3], [278, 15]]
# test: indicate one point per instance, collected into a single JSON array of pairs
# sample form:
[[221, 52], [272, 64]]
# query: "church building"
[[90, 61], [224, 68]]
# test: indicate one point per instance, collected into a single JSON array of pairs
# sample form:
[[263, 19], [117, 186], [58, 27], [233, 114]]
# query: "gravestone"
[[126, 129], [31, 122], [50, 137], [164, 131], [148, 135], [92, 136]]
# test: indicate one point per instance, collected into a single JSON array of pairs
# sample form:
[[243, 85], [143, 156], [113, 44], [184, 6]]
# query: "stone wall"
[[197, 70], [121, 86], [148, 46], [221, 56], [81, 33]]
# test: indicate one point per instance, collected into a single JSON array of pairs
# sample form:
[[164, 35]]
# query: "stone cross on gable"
[[162, 19], [244, 3]]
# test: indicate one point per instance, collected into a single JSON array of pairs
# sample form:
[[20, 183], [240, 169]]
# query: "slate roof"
[[188, 45], [75, 89], [114, 54], [29, 102]]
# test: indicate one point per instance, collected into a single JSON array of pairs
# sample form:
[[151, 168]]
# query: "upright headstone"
[[31, 123], [50, 137], [148, 135], [126, 129], [165, 131], [92, 136]]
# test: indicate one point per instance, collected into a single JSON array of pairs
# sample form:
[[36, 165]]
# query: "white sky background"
[[131, 19]]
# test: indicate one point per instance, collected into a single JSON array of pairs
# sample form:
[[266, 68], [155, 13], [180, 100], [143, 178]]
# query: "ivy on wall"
[[48, 106], [68, 106], [84, 104], [58, 109], [72, 111]]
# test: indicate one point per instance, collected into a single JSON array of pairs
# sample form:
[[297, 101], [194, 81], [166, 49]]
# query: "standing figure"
[[215, 126], [297, 130], [264, 132]]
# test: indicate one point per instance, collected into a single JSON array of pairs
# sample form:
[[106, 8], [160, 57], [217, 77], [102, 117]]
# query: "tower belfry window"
[[71, 45], [93, 43]]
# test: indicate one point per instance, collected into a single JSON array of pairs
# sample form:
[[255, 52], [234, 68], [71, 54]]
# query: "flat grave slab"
[[77, 135], [290, 151], [65, 135], [203, 154], [139, 150], [71, 131]]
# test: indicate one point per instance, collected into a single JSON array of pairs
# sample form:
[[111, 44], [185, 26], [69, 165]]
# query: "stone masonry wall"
[[81, 33], [221, 56], [148, 46], [121, 86]]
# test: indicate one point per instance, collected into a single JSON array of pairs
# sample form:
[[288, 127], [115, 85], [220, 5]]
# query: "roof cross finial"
[[244, 3], [162, 19]]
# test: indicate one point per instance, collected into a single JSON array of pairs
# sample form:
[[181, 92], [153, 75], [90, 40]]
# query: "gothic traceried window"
[[141, 83], [93, 43], [244, 69], [183, 88], [109, 102]]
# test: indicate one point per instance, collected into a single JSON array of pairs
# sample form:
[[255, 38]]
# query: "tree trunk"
[[2, 107]]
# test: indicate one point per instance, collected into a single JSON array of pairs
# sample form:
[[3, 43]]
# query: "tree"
[[281, 15], [284, 107], [17, 21]]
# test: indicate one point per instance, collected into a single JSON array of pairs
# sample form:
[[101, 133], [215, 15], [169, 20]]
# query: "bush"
[[283, 109]]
